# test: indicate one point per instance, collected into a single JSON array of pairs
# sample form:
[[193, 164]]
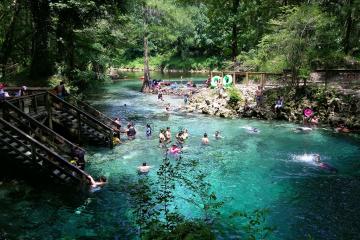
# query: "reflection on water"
[[248, 170]]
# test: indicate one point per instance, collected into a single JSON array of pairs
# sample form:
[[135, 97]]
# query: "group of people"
[[4, 94]]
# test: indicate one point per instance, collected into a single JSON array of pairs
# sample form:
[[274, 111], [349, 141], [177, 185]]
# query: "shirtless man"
[[94, 184], [205, 139], [258, 96], [144, 168]]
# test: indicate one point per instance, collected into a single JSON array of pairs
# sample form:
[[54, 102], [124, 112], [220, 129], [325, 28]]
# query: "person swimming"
[[217, 135], [303, 129], [96, 184], [252, 129], [162, 138], [323, 165], [130, 131], [205, 139], [174, 149], [144, 168]]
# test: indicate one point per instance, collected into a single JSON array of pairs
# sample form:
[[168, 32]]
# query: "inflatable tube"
[[214, 81], [227, 81]]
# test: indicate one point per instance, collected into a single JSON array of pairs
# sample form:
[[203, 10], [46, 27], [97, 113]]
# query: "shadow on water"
[[331, 203]]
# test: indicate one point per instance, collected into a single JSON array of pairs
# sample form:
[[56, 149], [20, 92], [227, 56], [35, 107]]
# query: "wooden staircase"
[[34, 155], [67, 119]]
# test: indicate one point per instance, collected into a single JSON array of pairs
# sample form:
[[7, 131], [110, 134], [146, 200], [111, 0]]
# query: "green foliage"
[[235, 96], [190, 230], [254, 224]]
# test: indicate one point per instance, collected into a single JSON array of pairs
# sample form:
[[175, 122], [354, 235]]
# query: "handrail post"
[[35, 104], [49, 110], [33, 152], [79, 126], [111, 139]]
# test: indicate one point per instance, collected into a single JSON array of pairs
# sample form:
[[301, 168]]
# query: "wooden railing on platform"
[[46, 102], [33, 127], [82, 116], [95, 113], [40, 155]]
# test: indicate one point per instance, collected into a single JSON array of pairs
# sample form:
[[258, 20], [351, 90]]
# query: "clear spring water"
[[250, 171]]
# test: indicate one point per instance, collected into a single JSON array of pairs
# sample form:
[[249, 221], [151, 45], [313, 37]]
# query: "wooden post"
[[49, 110], [35, 104], [33, 152], [247, 78], [79, 127], [111, 139], [234, 78]]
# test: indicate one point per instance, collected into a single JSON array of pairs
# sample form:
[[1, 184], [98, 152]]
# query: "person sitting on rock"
[[279, 103]]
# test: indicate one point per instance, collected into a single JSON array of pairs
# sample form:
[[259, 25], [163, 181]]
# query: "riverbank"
[[333, 106]]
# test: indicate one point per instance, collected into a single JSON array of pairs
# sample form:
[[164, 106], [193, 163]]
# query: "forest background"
[[80, 40]]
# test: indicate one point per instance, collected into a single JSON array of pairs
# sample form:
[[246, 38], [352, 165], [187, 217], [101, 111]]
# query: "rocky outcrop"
[[332, 106]]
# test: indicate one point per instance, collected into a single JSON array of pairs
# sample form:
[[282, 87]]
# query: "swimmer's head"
[[148, 125], [144, 164], [217, 133], [317, 158], [102, 179], [205, 135]]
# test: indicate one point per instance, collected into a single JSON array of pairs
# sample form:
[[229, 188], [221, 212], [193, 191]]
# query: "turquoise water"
[[249, 171]]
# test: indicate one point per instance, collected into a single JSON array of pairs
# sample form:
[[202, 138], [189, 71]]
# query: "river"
[[249, 171]]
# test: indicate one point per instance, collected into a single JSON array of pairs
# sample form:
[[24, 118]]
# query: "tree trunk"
[[41, 65], [234, 35], [7, 45], [348, 28], [146, 85]]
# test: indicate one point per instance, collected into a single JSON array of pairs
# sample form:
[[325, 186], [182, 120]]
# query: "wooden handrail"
[[33, 120], [46, 149], [102, 114], [81, 111], [26, 96]]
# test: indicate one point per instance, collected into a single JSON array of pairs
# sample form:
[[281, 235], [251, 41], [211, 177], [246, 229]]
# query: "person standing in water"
[[162, 138], [217, 135], [131, 131], [148, 131], [205, 139], [168, 135]]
